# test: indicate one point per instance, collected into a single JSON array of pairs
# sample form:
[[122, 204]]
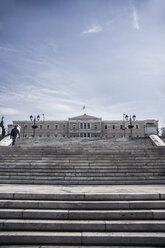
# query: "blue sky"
[[58, 55]]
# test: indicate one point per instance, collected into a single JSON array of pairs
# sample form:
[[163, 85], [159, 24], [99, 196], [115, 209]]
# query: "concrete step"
[[83, 205], [73, 158], [80, 163], [90, 157], [129, 165], [58, 214], [92, 182], [80, 174], [19, 195], [86, 178], [84, 225], [132, 167], [83, 171], [100, 151], [73, 155], [82, 238]]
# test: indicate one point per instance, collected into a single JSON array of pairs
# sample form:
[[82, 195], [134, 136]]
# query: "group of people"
[[15, 133]]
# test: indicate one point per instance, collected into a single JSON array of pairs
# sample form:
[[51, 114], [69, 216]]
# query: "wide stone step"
[[63, 148], [85, 169], [132, 167], [74, 155], [83, 159], [82, 238], [86, 154], [84, 225], [85, 182], [18, 195], [79, 148], [64, 174], [90, 158], [75, 158], [83, 178], [78, 164], [51, 214], [84, 172], [78, 161], [86, 205]]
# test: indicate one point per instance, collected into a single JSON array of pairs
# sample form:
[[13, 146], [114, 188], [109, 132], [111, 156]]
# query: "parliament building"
[[87, 126]]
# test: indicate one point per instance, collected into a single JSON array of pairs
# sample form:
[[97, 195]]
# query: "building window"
[[113, 126], [105, 127], [137, 127], [64, 126], [121, 127], [88, 134], [81, 135], [95, 126], [48, 135], [48, 127], [85, 126], [56, 126], [74, 126], [40, 126], [40, 135]]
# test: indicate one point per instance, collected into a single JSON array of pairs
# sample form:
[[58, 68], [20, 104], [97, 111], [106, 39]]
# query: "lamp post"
[[125, 118], [34, 119], [131, 119]]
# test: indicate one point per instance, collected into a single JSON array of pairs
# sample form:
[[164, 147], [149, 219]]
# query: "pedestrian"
[[15, 132]]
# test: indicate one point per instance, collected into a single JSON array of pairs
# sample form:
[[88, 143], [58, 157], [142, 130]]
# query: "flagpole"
[[83, 108]]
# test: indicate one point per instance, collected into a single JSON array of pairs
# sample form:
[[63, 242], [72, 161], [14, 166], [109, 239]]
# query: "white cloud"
[[10, 111], [92, 29], [135, 20], [7, 49]]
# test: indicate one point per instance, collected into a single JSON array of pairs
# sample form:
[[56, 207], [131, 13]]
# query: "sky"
[[57, 56]]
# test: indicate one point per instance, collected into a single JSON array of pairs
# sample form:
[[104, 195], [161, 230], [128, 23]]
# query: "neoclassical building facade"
[[86, 126]]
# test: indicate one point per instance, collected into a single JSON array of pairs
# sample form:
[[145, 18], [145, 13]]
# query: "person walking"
[[15, 132]]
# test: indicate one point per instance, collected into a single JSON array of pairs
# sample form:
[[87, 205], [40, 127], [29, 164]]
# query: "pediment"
[[84, 117]]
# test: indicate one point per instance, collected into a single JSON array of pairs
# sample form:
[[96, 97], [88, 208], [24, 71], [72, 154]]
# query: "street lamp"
[[130, 119], [34, 119], [131, 126], [125, 118]]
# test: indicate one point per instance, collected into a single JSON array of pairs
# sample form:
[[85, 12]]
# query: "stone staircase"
[[77, 219], [133, 162], [83, 219]]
